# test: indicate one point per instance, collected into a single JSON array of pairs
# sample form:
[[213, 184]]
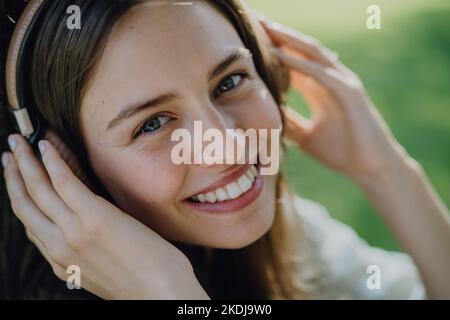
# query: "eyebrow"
[[133, 109], [225, 63]]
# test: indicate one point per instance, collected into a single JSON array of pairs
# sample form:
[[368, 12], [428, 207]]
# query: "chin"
[[245, 235]]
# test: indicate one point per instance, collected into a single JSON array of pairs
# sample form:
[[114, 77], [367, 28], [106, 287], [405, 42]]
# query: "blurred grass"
[[406, 69]]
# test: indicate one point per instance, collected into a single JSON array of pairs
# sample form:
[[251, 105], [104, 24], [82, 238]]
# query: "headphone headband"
[[14, 67]]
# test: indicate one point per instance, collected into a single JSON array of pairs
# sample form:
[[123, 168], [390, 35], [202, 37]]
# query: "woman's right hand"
[[119, 258], [67, 155]]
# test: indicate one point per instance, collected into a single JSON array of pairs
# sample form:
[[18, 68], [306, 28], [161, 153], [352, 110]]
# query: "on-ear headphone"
[[22, 110]]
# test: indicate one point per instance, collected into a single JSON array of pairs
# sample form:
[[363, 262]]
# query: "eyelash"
[[243, 74]]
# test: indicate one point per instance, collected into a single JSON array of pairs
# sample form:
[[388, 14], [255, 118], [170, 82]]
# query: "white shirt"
[[344, 259]]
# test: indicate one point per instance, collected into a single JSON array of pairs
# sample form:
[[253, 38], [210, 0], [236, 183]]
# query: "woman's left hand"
[[346, 131], [348, 134]]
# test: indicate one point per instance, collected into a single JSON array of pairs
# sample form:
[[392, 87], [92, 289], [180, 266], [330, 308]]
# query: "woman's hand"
[[346, 132], [118, 256], [67, 155]]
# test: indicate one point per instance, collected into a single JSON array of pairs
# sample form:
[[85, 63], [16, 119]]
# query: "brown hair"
[[66, 60]]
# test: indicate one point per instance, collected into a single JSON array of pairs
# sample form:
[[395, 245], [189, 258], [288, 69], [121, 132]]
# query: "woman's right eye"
[[153, 124]]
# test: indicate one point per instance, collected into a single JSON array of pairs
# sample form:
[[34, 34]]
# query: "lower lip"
[[229, 206]]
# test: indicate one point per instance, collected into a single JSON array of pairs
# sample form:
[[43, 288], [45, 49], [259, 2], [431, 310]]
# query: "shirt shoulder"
[[350, 267]]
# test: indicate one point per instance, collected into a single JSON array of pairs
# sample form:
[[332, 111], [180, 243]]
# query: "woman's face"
[[167, 60]]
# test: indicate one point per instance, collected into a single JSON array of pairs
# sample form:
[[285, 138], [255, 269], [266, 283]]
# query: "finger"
[[311, 47], [317, 96], [23, 206], [328, 77], [38, 184], [58, 270], [74, 193], [68, 156], [298, 128]]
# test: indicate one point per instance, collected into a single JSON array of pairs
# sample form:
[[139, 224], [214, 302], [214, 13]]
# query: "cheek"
[[142, 182], [260, 111]]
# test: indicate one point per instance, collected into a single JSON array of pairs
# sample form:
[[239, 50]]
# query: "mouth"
[[243, 189]]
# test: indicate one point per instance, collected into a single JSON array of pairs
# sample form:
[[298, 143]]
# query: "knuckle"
[[8, 173], [17, 202], [21, 154], [316, 45], [35, 190], [58, 271], [60, 180], [58, 253], [29, 235], [76, 240], [94, 228], [24, 158], [355, 84]]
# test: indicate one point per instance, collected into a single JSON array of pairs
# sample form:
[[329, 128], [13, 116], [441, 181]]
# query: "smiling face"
[[163, 68]]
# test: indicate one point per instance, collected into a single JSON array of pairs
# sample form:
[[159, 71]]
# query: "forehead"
[[157, 45], [171, 27]]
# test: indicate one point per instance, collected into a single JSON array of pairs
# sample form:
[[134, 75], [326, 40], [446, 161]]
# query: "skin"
[[180, 62], [346, 134]]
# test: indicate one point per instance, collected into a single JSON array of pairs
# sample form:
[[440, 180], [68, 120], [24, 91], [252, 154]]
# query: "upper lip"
[[225, 180]]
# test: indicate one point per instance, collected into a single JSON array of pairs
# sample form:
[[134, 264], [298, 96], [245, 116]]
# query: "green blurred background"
[[405, 67]]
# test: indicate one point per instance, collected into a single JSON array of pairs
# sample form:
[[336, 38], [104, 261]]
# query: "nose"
[[214, 142]]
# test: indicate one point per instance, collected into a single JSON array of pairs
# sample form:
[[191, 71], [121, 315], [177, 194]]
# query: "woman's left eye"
[[230, 83]]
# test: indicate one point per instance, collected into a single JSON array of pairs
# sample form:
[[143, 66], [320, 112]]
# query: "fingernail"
[[12, 142], [5, 159], [41, 145]]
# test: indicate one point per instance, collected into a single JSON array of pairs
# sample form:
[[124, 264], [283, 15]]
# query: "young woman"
[[107, 197]]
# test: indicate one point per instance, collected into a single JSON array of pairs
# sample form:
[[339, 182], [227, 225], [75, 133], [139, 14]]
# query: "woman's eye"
[[230, 83], [154, 124]]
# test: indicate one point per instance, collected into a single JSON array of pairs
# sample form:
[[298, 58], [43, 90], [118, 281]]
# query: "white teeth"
[[249, 175], [221, 194], [244, 183], [232, 190], [211, 197], [201, 198]]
